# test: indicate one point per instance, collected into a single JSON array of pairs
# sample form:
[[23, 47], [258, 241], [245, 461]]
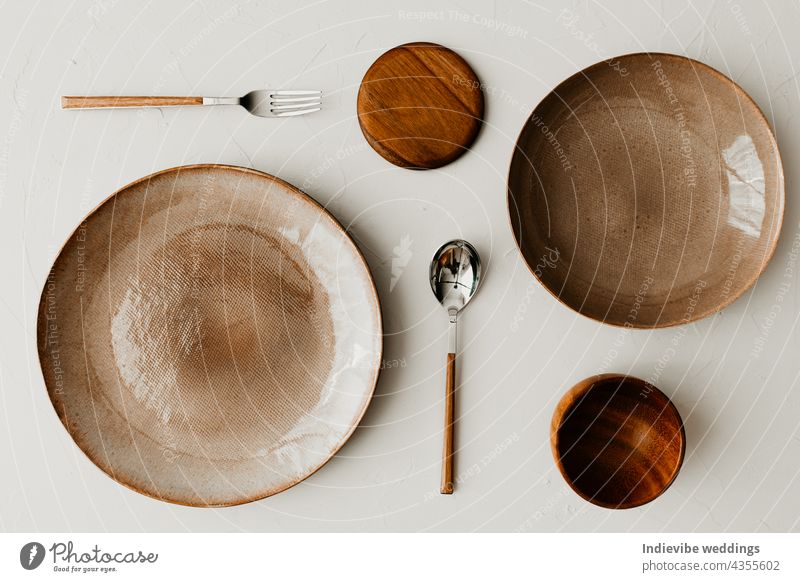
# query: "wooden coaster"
[[420, 106]]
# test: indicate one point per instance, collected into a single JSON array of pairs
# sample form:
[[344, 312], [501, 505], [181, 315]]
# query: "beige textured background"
[[733, 376]]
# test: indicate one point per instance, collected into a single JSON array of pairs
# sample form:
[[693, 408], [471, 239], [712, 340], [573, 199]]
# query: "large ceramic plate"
[[209, 335], [646, 191]]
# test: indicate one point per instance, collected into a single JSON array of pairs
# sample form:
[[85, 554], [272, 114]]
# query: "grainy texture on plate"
[[209, 335], [646, 191]]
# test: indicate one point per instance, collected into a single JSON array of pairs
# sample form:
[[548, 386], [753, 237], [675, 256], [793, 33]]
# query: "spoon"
[[455, 275]]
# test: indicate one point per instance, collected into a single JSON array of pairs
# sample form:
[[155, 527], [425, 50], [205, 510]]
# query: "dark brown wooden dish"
[[658, 185], [618, 441], [420, 106]]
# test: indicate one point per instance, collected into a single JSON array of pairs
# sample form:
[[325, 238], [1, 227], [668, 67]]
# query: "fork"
[[263, 103]]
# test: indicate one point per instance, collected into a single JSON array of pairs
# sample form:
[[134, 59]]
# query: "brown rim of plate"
[[299, 195], [582, 388], [780, 200]]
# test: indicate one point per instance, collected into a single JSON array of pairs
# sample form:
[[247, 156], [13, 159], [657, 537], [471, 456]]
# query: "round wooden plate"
[[646, 191], [209, 335], [420, 106]]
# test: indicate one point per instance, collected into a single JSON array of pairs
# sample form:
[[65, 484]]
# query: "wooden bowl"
[[209, 335], [617, 440], [646, 191]]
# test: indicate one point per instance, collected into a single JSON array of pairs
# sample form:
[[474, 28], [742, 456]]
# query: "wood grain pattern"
[[618, 441], [93, 102], [420, 106], [449, 422]]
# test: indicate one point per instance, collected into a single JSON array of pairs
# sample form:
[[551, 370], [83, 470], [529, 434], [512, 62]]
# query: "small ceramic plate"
[[209, 335], [646, 191]]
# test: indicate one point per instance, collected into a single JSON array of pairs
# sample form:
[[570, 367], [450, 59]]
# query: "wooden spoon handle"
[[449, 420], [72, 102]]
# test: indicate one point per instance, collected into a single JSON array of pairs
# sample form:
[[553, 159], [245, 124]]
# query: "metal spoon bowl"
[[455, 275]]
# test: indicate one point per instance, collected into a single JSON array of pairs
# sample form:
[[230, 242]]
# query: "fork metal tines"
[[287, 103], [282, 103]]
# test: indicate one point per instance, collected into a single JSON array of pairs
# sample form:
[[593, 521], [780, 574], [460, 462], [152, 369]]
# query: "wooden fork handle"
[[449, 421], [72, 102]]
